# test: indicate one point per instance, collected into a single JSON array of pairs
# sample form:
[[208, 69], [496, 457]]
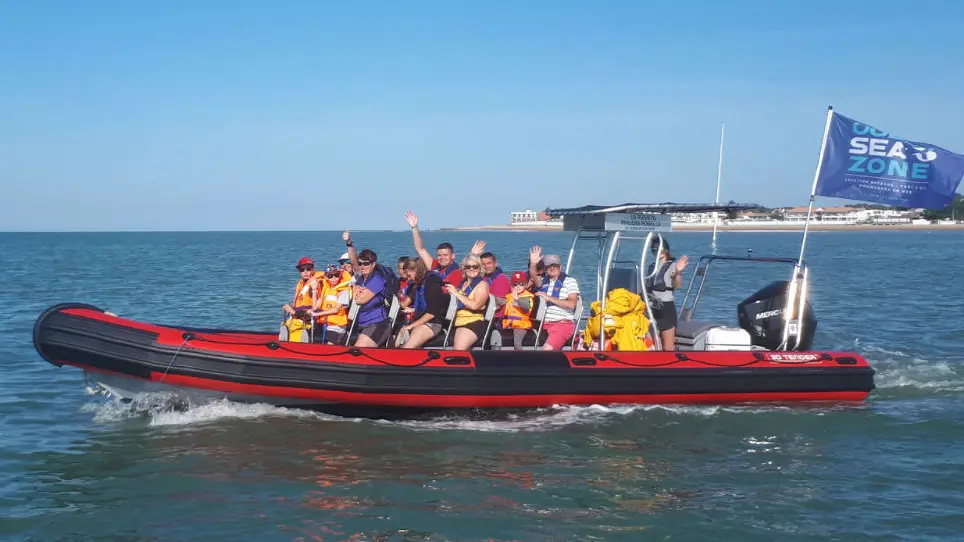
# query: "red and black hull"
[[255, 366]]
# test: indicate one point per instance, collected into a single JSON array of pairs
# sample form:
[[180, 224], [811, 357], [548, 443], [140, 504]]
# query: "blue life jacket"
[[556, 288], [495, 274], [472, 284], [419, 303], [445, 272]]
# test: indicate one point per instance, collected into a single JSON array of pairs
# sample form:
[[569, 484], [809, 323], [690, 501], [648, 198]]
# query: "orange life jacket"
[[329, 300], [303, 298], [514, 317]]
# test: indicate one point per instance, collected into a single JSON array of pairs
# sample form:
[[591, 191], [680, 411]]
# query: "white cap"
[[344, 256]]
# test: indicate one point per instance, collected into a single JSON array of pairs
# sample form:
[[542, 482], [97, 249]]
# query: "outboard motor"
[[762, 316]]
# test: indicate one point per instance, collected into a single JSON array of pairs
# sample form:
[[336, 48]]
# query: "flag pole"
[[796, 293], [813, 189], [719, 176]]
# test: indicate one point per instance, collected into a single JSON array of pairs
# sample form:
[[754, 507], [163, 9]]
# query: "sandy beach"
[[742, 227]]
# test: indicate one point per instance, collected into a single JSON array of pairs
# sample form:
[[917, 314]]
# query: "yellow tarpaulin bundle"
[[625, 322], [295, 330]]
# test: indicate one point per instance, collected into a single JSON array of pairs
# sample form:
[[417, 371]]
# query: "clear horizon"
[[223, 116]]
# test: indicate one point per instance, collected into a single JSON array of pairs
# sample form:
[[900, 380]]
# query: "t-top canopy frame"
[[608, 226], [659, 208], [634, 217]]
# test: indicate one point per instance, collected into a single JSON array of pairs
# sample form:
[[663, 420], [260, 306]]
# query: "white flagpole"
[[792, 319], [816, 177], [719, 177]]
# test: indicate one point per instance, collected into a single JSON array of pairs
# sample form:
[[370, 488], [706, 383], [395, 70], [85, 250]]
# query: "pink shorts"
[[560, 333]]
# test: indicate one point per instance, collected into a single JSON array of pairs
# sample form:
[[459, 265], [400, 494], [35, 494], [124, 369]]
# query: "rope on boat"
[[187, 337], [680, 357], [276, 345], [432, 355]]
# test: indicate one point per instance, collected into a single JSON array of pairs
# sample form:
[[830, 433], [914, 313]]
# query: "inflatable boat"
[[128, 358], [766, 357]]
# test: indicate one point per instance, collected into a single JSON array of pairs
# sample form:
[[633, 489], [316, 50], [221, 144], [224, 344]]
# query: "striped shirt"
[[555, 313]]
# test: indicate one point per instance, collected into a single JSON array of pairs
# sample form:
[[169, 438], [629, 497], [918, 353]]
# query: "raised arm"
[[352, 253], [535, 255], [478, 248], [417, 239]]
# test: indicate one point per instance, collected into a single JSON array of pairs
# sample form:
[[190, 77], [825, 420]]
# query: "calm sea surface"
[[81, 467]]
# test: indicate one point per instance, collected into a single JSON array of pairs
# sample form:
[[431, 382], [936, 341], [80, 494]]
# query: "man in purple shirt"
[[498, 283]]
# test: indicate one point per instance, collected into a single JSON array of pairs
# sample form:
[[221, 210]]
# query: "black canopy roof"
[[660, 208]]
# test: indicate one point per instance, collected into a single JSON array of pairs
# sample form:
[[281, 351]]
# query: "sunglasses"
[[332, 275], [303, 269], [471, 267], [364, 262]]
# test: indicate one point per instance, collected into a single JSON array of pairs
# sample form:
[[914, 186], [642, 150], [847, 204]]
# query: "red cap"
[[305, 261], [519, 277]]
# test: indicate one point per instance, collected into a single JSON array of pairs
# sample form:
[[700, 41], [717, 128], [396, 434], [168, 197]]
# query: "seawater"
[[80, 467]]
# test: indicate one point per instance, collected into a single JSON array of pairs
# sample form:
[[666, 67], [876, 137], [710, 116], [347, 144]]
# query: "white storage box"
[[704, 336]]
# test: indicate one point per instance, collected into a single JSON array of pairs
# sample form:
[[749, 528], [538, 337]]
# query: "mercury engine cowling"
[[762, 316]]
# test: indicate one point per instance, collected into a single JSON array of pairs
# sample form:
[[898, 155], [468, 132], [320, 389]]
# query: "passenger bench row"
[[494, 338]]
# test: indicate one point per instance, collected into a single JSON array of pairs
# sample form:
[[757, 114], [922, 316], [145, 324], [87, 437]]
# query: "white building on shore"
[[785, 216], [533, 218]]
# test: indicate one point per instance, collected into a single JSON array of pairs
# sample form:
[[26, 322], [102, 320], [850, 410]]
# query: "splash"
[[170, 409], [167, 409], [173, 410], [903, 374], [560, 416]]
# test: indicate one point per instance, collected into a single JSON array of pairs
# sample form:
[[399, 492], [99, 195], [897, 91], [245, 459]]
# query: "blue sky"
[[217, 115]]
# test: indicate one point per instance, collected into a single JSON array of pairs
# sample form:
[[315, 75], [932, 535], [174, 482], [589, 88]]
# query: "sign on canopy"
[[638, 222]]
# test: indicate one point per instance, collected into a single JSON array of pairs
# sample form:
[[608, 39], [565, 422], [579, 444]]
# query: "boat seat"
[[489, 316], [538, 320], [580, 309], [442, 339], [352, 317], [624, 277], [393, 309], [689, 329]]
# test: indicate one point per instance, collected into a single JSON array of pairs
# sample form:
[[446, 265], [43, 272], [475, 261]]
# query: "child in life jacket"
[[306, 291], [332, 307], [518, 307]]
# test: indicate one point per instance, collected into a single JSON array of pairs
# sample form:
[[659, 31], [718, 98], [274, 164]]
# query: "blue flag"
[[865, 164]]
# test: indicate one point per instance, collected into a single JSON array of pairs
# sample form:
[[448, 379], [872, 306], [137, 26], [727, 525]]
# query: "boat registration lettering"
[[638, 222], [798, 358]]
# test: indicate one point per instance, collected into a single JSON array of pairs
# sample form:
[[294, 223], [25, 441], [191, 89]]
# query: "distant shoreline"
[[768, 228]]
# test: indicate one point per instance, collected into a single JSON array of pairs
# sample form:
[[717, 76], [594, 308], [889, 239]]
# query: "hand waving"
[[478, 248], [411, 219], [535, 254]]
